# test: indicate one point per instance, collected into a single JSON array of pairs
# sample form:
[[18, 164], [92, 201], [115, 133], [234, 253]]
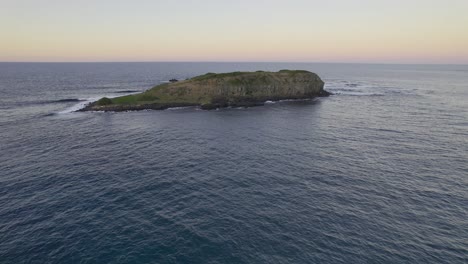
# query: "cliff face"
[[221, 90]]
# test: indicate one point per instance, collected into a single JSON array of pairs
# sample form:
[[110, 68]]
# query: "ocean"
[[376, 173]]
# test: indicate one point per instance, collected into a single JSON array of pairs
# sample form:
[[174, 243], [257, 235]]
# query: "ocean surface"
[[377, 173]]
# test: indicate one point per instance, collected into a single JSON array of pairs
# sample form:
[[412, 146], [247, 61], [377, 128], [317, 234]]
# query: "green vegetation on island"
[[214, 90]]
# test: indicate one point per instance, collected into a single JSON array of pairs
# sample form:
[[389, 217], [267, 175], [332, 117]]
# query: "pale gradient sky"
[[381, 31]]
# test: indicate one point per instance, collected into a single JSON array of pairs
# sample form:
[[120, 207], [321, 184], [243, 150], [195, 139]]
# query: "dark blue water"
[[377, 173]]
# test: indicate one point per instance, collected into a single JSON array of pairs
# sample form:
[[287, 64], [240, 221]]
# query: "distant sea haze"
[[373, 174]]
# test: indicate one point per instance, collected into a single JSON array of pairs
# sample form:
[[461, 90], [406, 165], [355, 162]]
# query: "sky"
[[367, 31]]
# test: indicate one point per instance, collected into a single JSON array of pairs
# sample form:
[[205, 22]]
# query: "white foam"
[[179, 107], [296, 100], [79, 105]]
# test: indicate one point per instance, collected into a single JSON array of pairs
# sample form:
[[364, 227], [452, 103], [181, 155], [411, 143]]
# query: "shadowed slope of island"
[[211, 91]]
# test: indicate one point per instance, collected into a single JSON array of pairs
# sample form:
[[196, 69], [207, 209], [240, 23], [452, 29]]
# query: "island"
[[217, 90]]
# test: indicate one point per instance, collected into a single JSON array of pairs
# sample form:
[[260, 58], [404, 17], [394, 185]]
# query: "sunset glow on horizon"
[[432, 31]]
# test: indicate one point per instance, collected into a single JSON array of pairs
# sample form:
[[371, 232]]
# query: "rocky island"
[[211, 91]]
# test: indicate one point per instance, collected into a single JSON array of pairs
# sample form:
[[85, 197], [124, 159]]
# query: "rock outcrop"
[[212, 91]]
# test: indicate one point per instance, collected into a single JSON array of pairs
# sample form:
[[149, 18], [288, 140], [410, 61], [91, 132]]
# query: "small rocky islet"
[[217, 90]]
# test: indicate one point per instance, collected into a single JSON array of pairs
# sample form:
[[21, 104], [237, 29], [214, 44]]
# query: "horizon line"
[[298, 62]]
